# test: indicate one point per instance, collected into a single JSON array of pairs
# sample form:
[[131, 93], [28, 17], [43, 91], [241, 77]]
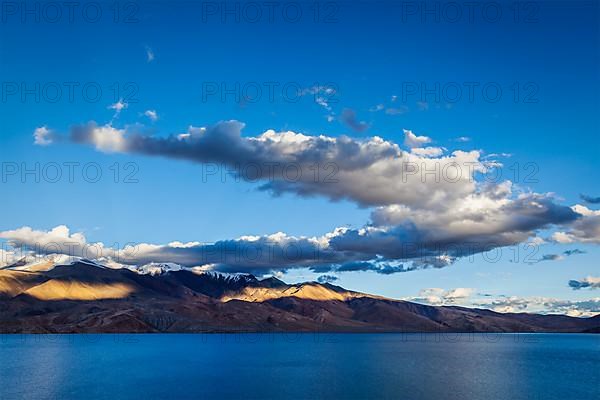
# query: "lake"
[[301, 366]]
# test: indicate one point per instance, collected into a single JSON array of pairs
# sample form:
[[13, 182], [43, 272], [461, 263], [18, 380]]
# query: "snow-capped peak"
[[33, 263], [88, 262], [157, 268], [231, 277]]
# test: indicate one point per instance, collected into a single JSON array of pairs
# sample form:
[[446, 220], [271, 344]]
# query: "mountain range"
[[86, 297]]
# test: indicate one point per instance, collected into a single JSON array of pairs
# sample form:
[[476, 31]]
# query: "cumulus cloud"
[[411, 140], [542, 305], [591, 282], [590, 199], [337, 251], [369, 171], [583, 230], [256, 254], [58, 240], [478, 223], [398, 239], [349, 118], [333, 252], [428, 207], [259, 255], [105, 138], [469, 297], [441, 297], [43, 136], [383, 250]]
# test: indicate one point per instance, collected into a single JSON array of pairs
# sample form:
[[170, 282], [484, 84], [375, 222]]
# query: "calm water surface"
[[300, 366]]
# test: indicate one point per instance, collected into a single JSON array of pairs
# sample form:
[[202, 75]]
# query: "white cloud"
[[542, 305], [441, 297], [428, 151], [58, 240], [43, 136], [426, 220], [411, 140], [118, 107], [322, 101], [563, 238], [152, 115], [469, 297], [370, 171], [583, 230], [479, 222], [258, 254], [537, 241], [316, 89], [105, 138], [322, 95]]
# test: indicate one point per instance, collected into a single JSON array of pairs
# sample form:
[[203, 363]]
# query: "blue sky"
[[378, 57]]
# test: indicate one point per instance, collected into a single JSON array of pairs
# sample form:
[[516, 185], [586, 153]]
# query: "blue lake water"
[[300, 366]]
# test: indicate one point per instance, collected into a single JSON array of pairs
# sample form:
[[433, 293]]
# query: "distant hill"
[[85, 297]]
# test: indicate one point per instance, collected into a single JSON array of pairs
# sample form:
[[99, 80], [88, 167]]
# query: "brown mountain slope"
[[84, 298], [307, 291], [13, 283]]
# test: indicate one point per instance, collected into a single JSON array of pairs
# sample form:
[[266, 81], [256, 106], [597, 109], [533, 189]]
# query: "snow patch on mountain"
[[232, 277], [36, 263], [32, 263], [157, 268]]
